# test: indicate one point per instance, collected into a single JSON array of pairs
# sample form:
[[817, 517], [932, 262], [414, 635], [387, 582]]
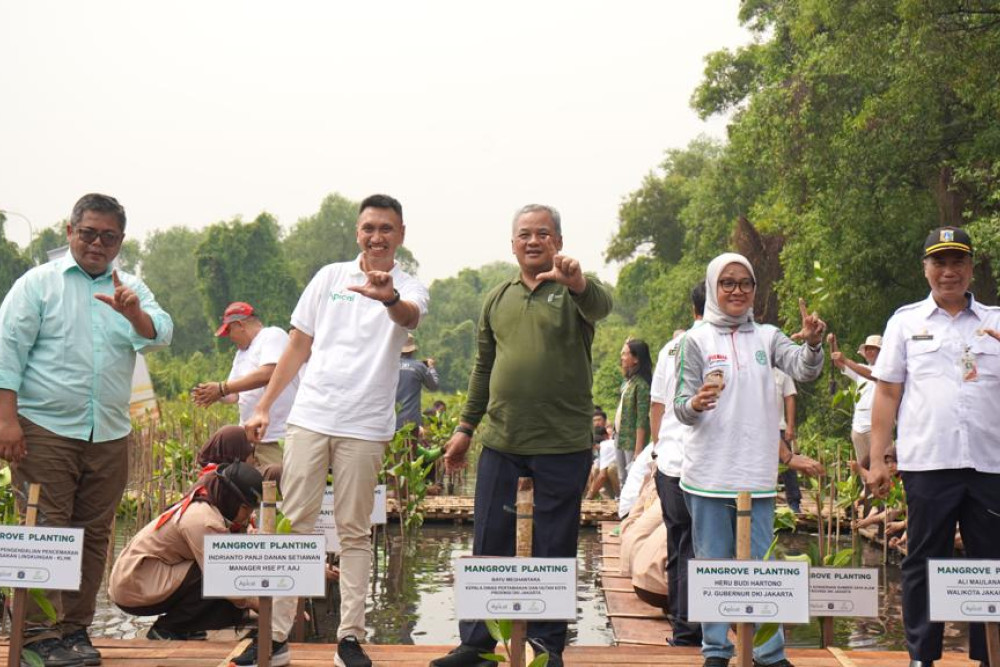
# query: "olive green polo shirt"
[[533, 370]]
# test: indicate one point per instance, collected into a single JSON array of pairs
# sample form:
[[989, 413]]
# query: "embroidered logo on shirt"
[[341, 296], [554, 298], [761, 357]]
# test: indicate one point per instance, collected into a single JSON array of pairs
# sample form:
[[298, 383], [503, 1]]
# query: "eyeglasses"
[[108, 239], [729, 286]]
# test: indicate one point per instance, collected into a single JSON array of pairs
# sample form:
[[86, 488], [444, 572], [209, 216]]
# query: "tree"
[[169, 262], [448, 333], [239, 261], [12, 262]]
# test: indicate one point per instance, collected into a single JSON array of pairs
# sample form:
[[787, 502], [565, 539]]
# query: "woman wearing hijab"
[[725, 392], [160, 570], [632, 418], [227, 445]]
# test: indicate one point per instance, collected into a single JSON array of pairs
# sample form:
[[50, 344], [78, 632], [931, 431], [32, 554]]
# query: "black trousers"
[[937, 500], [680, 549], [185, 610], [559, 480], [790, 478]]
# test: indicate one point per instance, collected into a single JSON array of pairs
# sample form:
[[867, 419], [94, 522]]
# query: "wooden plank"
[[620, 604]]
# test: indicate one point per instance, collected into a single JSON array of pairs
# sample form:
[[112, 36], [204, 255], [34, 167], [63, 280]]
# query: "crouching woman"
[[160, 570]]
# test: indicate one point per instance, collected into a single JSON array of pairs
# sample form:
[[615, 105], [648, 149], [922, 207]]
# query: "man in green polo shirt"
[[532, 376]]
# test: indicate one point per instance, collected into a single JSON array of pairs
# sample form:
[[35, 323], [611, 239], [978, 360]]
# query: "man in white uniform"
[[939, 381]]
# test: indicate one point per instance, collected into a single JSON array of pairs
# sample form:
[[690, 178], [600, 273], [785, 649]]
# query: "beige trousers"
[[268, 453], [355, 465]]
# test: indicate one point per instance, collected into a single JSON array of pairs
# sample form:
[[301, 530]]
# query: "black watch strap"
[[394, 300]]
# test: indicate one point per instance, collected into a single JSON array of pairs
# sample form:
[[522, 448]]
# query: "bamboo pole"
[[744, 631], [525, 509], [267, 524], [21, 594]]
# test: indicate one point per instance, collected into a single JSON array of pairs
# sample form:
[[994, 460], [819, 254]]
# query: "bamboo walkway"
[[459, 509], [145, 653], [639, 626]]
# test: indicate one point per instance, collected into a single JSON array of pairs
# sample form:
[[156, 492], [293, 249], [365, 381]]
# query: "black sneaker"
[[280, 655], [781, 663], [555, 659], [165, 634], [52, 653], [464, 656], [716, 661], [79, 643], [350, 653]]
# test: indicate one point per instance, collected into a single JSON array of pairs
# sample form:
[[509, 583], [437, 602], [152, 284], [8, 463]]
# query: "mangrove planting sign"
[[843, 591], [34, 557], [515, 588], [264, 565], [326, 523], [748, 591], [964, 590]]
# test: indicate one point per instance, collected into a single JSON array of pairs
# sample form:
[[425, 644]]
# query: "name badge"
[[923, 336]]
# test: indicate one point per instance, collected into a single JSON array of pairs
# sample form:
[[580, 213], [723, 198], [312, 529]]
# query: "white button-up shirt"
[[950, 372]]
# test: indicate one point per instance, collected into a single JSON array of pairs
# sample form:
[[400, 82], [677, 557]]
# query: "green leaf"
[[495, 657], [541, 660], [764, 633], [770, 549], [493, 627], [843, 557], [506, 629], [32, 658], [38, 595]]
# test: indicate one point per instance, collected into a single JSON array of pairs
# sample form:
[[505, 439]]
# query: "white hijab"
[[713, 313]]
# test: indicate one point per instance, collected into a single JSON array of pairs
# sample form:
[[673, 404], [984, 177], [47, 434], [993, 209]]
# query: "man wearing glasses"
[[69, 333]]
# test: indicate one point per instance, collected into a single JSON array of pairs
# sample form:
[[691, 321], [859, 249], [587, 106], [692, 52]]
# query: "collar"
[[67, 262], [358, 271], [929, 306]]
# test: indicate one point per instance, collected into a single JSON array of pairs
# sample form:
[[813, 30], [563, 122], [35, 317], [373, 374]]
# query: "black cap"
[[246, 480], [947, 238]]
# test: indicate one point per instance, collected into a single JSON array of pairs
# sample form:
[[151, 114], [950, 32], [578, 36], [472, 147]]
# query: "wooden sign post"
[[992, 642], [264, 604], [21, 594], [525, 508], [744, 631]]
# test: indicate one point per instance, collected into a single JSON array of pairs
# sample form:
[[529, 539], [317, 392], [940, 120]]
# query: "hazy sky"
[[195, 112]]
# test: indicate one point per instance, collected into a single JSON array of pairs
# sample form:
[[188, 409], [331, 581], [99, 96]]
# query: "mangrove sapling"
[[501, 631]]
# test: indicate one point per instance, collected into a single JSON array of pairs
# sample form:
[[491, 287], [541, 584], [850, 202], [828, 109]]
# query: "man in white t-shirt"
[[785, 391], [350, 324], [861, 375], [258, 349], [668, 435]]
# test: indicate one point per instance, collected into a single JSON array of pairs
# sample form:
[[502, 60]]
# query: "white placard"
[[515, 588], [745, 591], [264, 565], [843, 591], [964, 590], [35, 557], [325, 521]]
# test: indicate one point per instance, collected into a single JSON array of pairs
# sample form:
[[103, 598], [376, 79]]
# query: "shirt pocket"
[[987, 352], [924, 357]]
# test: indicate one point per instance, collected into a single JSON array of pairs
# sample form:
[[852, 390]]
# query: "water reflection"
[[411, 599]]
